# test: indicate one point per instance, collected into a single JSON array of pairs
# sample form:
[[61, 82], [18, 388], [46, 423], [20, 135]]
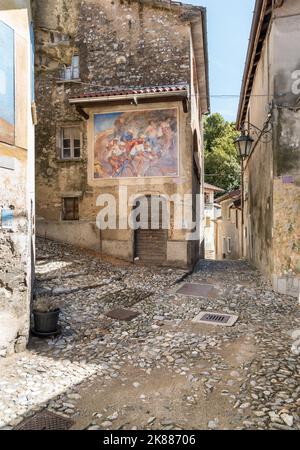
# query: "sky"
[[229, 24]]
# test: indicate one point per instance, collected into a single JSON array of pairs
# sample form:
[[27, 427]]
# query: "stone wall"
[[272, 175], [120, 44], [286, 74]]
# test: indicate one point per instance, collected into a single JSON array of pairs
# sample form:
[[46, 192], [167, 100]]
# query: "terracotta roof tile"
[[134, 91]]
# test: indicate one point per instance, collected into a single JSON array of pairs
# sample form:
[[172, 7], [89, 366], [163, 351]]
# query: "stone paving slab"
[[122, 314], [198, 290]]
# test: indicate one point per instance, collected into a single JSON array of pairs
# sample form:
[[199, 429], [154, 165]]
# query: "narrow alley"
[[159, 370]]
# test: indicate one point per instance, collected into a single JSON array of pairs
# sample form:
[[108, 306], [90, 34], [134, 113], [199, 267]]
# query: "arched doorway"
[[150, 242]]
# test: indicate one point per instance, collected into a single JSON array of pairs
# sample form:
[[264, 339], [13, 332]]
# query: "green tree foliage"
[[222, 165]]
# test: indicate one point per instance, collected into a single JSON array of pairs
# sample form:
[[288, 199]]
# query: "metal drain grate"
[[212, 318], [45, 420], [216, 318]]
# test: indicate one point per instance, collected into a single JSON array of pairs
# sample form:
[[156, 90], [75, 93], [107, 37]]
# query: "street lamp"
[[244, 145]]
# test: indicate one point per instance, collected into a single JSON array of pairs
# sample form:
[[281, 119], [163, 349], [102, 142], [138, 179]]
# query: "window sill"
[[69, 160], [75, 80]]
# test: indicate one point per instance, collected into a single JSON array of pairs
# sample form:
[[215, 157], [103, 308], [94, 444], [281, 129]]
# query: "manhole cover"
[[122, 314], [45, 420], [212, 318], [198, 290]]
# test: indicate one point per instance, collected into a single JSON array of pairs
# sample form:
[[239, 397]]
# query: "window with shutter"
[[70, 208]]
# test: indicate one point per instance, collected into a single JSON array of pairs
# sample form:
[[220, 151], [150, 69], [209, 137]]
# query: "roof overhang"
[[127, 97], [233, 195], [135, 97], [200, 45], [260, 26], [211, 187]]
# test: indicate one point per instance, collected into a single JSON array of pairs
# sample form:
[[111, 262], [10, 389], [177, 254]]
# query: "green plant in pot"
[[45, 315]]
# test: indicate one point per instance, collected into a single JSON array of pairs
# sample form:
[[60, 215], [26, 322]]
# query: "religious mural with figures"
[[7, 85], [136, 144]]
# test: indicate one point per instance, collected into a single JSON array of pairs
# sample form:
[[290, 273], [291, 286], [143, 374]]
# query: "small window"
[[229, 213], [71, 72], [56, 37], [70, 208], [224, 247], [70, 143], [75, 67], [208, 222], [229, 248]]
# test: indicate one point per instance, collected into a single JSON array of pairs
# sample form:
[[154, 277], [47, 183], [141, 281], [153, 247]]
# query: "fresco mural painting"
[[136, 144], [7, 85]]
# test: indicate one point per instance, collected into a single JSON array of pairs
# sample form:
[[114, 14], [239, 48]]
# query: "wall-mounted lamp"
[[244, 143]]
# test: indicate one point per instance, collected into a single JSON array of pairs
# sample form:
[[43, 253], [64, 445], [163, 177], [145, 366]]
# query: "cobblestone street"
[[160, 370]]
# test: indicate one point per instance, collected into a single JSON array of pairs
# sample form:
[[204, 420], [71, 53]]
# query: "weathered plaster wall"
[[258, 181], [286, 32], [273, 170], [17, 194], [120, 44]]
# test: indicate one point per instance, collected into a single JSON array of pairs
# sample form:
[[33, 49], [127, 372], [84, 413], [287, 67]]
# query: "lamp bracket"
[[265, 134]]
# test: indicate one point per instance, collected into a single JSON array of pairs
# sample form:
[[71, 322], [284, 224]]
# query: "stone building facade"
[[270, 101], [16, 174], [122, 86]]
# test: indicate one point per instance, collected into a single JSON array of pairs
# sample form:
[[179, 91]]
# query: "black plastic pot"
[[46, 322]]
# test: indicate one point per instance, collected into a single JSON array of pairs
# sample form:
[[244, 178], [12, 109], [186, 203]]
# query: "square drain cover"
[[212, 318], [122, 314], [198, 290], [45, 420]]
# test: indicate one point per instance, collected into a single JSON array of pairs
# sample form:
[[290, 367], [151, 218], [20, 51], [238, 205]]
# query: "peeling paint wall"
[[258, 184], [17, 194], [272, 174], [120, 44], [286, 232]]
